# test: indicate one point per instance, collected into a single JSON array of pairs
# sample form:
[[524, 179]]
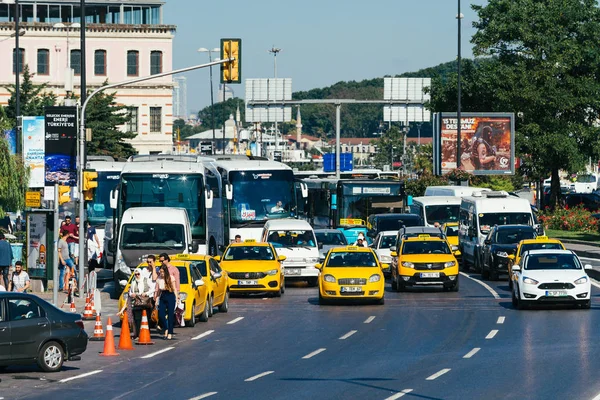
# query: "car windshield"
[[487, 221], [331, 238], [506, 236], [426, 247], [387, 241], [451, 231], [552, 261], [586, 179], [442, 213], [292, 239], [351, 259], [541, 246], [152, 236], [240, 253], [393, 224]]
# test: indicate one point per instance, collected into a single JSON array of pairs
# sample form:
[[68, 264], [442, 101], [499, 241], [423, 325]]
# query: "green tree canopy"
[[14, 179], [33, 98], [390, 143], [222, 112]]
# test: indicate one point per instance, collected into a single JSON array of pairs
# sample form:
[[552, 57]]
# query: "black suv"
[[589, 201], [391, 222], [501, 242]]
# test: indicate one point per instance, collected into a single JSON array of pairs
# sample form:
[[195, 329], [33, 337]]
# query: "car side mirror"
[[319, 266], [217, 258], [217, 275], [487, 241], [516, 268], [454, 248], [587, 266], [457, 253], [393, 254], [320, 245], [281, 258], [393, 248], [199, 282], [385, 266], [193, 248]]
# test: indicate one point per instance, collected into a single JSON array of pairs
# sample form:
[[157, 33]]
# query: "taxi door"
[[199, 291], [218, 281]]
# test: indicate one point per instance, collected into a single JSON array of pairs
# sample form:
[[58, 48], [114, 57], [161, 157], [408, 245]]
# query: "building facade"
[[124, 40]]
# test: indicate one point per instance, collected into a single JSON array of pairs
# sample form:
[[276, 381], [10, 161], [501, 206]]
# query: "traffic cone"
[[73, 309], [125, 338], [144, 331], [98, 332], [88, 313], [109, 343]]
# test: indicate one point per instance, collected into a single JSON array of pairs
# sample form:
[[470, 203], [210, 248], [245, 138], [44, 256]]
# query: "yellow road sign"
[[33, 199]]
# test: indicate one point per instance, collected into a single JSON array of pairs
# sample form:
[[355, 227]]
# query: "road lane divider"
[[485, 285], [472, 352], [234, 321], [347, 335], [492, 333], [79, 376], [500, 320], [203, 396], [255, 377], [438, 374], [399, 394], [200, 336], [158, 352], [314, 353], [370, 319]]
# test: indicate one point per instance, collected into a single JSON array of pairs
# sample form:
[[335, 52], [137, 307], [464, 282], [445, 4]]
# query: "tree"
[[423, 160], [14, 179], [104, 116], [222, 112], [390, 143], [185, 130], [33, 98]]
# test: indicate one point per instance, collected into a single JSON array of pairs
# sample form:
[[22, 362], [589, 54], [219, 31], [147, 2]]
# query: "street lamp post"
[[274, 50], [68, 74], [212, 104], [459, 17]]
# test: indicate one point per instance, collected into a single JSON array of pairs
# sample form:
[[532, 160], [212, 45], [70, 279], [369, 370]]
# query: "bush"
[[575, 219]]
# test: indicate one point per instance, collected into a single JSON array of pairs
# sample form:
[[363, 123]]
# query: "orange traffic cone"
[[98, 332], [88, 313], [73, 309], [125, 338], [144, 331], [109, 343]]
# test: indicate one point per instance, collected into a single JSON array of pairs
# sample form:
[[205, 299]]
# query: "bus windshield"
[[98, 211], [359, 200], [166, 190], [262, 195], [442, 213], [487, 221]]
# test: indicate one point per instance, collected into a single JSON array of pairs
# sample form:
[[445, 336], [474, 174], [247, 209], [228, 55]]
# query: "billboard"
[[33, 149], [487, 143], [11, 137], [61, 146]]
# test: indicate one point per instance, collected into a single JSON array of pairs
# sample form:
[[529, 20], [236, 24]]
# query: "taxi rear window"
[[541, 246], [183, 275], [426, 247]]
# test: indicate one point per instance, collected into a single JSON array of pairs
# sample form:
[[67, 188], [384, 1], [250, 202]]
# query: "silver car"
[[328, 239]]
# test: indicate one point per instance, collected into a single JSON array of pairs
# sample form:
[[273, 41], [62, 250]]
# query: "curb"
[[581, 242]]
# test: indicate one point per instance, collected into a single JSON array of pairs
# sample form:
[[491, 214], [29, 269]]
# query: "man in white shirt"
[[20, 281], [278, 208]]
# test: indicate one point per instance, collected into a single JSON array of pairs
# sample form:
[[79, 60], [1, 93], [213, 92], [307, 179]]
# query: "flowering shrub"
[[575, 219]]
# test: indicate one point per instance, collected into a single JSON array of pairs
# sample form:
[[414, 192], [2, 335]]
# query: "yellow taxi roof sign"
[[182, 256], [250, 241], [542, 237], [424, 236], [352, 248]]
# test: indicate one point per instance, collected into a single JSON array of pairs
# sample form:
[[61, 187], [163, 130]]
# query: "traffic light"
[[64, 194], [89, 184], [231, 72]]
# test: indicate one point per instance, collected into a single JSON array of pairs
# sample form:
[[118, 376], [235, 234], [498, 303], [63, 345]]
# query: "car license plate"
[[245, 283], [292, 271], [351, 289], [556, 293], [430, 275]]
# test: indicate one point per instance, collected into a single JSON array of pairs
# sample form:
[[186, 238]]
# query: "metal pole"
[[55, 273], [82, 219], [17, 62], [212, 104], [223, 115], [338, 106], [83, 58], [458, 84]]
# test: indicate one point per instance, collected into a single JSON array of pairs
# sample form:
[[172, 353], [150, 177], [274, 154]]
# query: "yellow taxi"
[[538, 243], [450, 229], [351, 272], [253, 267], [425, 261]]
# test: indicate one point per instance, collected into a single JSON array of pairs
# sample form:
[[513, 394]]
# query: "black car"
[[33, 330], [501, 242], [589, 201], [391, 222]]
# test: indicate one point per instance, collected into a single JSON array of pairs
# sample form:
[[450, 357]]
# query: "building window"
[[76, 61], [43, 62], [133, 57], [100, 62], [155, 119], [21, 60], [132, 125], [155, 62]]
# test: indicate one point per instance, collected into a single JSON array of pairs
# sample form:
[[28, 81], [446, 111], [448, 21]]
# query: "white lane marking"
[[472, 352], [202, 335], [438, 374], [347, 335], [238, 319], [77, 377], [203, 396], [314, 353], [158, 352], [485, 285], [255, 377], [501, 320], [492, 334], [370, 319], [597, 397], [399, 394]]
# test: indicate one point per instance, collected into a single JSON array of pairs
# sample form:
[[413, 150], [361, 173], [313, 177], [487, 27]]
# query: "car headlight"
[[312, 260], [386, 259], [374, 278], [272, 272], [407, 264], [329, 278], [502, 254], [449, 264], [183, 296], [581, 280], [530, 281]]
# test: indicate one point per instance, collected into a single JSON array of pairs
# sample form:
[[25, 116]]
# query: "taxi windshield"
[[240, 253], [351, 259], [426, 247], [541, 246], [552, 261]]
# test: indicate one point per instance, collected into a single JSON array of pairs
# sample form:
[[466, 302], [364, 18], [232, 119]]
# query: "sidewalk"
[[586, 249]]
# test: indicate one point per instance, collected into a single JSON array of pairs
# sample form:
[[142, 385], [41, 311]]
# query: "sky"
[[322, 41]]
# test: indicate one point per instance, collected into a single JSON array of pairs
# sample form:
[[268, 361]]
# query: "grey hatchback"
[[33, 330]]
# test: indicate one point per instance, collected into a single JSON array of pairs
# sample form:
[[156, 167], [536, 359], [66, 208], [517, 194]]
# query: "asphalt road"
[[423, 344]]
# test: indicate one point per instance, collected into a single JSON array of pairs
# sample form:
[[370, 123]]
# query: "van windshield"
[[292, 238], [487, 221], [442, 213], [152, 236]]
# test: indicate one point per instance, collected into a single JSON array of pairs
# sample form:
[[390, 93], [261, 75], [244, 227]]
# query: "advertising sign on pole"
[[487, 143], [37, 245], [33, 149], [61, 146]]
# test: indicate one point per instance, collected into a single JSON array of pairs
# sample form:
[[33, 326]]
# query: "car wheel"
[[587, 305], [493, 275], [204, 316], [515, 301], [283, 286], [521, 305], [485, 273], [312, 282], [381, 301], [510, 282], [401, 287], [455, 287], [322, 300], [224, 307], [394, 284], [51, 357], [192, 322], [210, 307], [465, 265]]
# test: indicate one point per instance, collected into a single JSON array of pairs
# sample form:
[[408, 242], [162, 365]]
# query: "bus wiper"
[[253, 222]]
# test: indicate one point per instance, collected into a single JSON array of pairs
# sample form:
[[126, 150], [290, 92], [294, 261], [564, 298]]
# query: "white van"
[[434, 209], [294, 239], [151, 230], [459, 191], [480, 212]]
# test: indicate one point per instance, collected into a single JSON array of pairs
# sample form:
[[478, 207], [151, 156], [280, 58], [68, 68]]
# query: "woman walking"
[[167, 290]]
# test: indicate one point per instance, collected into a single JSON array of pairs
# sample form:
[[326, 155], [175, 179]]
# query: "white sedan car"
[[382, 245], [551, 276]]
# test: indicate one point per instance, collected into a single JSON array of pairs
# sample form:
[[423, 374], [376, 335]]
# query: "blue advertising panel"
[[33, 149], [61, 146]]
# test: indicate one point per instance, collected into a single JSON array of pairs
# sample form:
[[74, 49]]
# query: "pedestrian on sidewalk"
[[20, 281], [6, 259], [167, 288], [65, 263]]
